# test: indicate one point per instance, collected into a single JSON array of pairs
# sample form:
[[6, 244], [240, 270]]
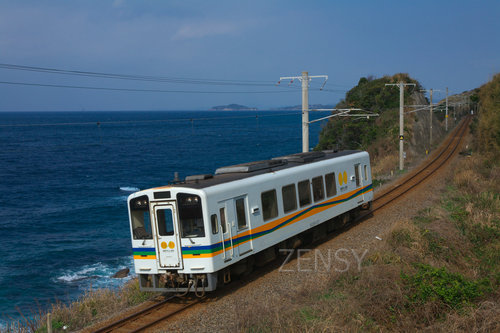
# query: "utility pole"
[[401, 86], [305, 78], [305, 111], [454, 113], [430, 116], [465, 107], [446, 117], [430, 136]]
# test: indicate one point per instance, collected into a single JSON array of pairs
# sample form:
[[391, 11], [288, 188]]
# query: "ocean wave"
[[97, 274], [82, 274], [129, 189]]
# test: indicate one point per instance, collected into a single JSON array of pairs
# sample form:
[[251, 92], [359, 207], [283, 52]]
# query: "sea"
[[65, 178]]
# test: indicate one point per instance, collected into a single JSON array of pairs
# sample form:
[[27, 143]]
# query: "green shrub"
[[438, 284], [307, 314], [378, 182], [370, 94], [401, 237]]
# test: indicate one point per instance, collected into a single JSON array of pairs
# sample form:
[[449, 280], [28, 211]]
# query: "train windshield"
[[190, 215], [139, 213]]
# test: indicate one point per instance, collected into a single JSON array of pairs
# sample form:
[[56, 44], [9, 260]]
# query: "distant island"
[[311, 106], [232, 107], [238, 107]]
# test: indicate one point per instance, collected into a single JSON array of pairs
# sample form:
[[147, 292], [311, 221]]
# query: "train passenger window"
[[331, 186], [289, 198], [165, 222], [141, 224], [269, 204], [356, 173], [366, 173], [215, 224], [304, 193], [240, 213], [190, 215], [318, 188], [223, 223]]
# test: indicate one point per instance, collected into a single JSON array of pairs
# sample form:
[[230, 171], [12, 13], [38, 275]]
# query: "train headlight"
[[140, 203], [190, 200]]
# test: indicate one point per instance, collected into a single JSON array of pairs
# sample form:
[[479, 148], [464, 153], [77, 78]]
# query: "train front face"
[[162, 223]]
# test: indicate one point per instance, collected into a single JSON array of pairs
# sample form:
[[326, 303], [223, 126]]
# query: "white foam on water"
[[129, 189], [85, 272], [97, 274], [121, 198]]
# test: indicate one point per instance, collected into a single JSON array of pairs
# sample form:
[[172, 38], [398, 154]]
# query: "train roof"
[[245, 170]]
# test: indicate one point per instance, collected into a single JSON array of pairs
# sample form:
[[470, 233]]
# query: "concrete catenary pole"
[[401, 86], [430, 121], [304, 78], [305, 112], [446, 117], [401, 125]]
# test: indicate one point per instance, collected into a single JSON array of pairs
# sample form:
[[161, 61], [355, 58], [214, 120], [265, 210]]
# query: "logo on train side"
[[343, 180], [170, 245]]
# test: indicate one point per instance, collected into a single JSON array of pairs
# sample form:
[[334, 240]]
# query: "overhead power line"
[[136, 77], [163, 79], [113, 122], [143, 90], [334, 90]]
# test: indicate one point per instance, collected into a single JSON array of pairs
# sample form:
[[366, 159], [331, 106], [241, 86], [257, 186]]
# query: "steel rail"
[[142, 313], [454, 142], [162, 318]]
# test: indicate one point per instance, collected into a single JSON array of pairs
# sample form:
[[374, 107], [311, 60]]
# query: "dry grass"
[[482, 318], [488, 127], [459, 236], [383, 166], [467, 179], [92, 307], [96, 305]]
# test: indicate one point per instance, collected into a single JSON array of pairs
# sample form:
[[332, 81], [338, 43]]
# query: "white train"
[[194, 235]]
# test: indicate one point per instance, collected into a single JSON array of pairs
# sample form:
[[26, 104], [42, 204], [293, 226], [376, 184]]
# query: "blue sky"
[[440, 43]]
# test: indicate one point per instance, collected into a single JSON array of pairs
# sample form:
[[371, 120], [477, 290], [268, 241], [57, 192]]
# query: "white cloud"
[[204, 29]]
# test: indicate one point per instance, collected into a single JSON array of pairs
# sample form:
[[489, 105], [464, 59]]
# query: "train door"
[[238, 224], [226, 235], [241, 221], [168, 245], [359, 181]]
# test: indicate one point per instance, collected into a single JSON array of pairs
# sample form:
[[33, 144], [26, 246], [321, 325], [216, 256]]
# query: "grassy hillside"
[[438, 271], [370, 94], [488, 124]]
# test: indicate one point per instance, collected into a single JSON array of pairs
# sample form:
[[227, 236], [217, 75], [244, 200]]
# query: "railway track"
[[435, 162], [161, 311], [150, 316]]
